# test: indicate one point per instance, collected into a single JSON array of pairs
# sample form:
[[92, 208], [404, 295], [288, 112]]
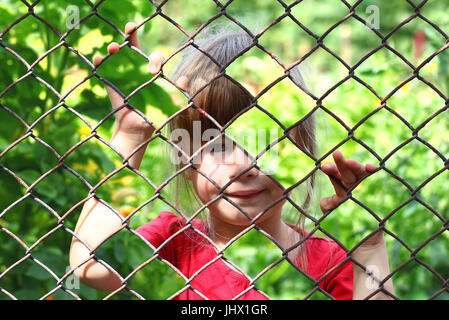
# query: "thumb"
[[130, 28], [329, 203]]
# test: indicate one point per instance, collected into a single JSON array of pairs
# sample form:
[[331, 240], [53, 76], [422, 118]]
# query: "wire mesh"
[[189, 220]]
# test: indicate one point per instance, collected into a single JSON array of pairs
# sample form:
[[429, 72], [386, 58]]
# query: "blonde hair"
[[223, 99]]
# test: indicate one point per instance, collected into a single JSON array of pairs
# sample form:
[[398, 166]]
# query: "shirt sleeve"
[[339, 283], [159, 230]]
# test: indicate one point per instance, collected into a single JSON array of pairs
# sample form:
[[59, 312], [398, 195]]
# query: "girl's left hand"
[[348, 172]]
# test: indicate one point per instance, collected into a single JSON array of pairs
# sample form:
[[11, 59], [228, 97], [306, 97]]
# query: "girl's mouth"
[[246, 195]]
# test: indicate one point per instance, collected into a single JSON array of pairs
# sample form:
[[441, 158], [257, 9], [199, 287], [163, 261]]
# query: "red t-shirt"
[[188, 251]]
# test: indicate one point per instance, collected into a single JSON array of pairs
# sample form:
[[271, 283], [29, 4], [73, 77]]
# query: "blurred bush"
[[32, 214]]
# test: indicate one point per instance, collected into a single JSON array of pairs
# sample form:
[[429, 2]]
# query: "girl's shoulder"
[[169, 220], [165, 225], [319, 245], [326, 255]]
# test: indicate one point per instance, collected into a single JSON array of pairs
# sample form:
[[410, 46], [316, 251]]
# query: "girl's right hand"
[[127, 120]]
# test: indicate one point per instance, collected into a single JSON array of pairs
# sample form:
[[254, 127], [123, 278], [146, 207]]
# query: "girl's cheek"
[[200, 189], [210, 169], [204, 187]]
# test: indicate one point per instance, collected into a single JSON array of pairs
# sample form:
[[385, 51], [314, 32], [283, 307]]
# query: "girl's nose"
[[241, 162]]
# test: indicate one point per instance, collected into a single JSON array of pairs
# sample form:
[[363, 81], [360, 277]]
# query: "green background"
[[25, 221]]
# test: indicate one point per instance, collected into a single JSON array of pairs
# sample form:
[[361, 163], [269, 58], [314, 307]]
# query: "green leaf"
[[160, 99], [88, 293], [39, 273], [93, 107], [29, 176]]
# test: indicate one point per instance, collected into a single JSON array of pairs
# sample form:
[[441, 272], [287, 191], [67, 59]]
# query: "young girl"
[[238, 195]]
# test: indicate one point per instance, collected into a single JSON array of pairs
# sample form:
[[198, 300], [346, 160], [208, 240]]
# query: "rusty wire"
[[351, 14]]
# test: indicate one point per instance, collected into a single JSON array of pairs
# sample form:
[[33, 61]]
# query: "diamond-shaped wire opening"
[[198, 17], [425, 221], [314, 19], [251, 70], [337, 223], [391, 170], [369, 195], [408, 97], [250, 132], [45, 215], [107, 11], [332, 133], [401, 163], [373, 132], [285, 50], [351, 95], [288, 156], [383, 65], [430, 191], [287, 102], [431, 12], [29, 88], [386, 14], [417, 288], [332, 70], [414, 49], [282, 276], [250, 249], [350, 34], [32, 271]]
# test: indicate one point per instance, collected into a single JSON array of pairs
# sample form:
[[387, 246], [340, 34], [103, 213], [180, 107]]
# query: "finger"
[[182, 82], [130, 28], [370, 168], [330, 203], [334, 175], [357, 168], [113, 47], [97, 60], [347, 176], [155, 61], [332, 170]]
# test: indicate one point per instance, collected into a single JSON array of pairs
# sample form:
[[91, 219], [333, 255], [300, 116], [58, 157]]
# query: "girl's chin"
[[237, 218]]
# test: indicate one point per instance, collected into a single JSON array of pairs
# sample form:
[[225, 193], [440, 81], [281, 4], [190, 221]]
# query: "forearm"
[[375, 259], [95, 224], [98, 222], [130, 131], [126, 143]]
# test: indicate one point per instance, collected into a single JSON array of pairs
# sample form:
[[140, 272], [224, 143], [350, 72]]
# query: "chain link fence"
[[30, 127]]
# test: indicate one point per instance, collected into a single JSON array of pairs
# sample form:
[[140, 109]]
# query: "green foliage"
[[31, 214]]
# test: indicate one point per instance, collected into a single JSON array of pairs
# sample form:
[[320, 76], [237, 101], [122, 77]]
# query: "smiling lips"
[[247, 194]]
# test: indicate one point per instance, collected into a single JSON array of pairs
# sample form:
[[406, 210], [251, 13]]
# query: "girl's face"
[[253, 190]]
